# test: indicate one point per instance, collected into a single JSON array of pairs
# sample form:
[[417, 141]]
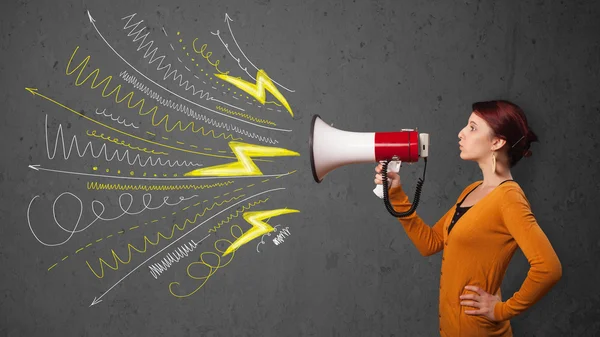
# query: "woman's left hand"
[[482, 300]]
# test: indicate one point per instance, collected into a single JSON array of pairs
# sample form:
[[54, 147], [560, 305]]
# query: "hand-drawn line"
[[159, 219], [116, 258], [244, 115], [178, 254], [262, 241], [132, 173], [213, 268], [125, 210], [131, 79], [202, 70], [39, 168], [280, 238], [137, 159], [237, 213], [129, 97], [36, 93], [227, 20], [93, 185], [103, 113], [206, 57], [97, 299], [158, 68], [122, 143]]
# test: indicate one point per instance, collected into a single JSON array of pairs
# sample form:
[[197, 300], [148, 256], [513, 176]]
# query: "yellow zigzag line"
[[231, 112], [129, 97], [143, 187], [237, 213], [117, 259], [122, 143]]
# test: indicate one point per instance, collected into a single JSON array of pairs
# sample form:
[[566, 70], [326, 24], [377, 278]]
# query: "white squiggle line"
[[93, 22], [103, 113], [98, 216], [218, 33], [97, 299], [178, 254], [262, 242], [136, 160], [131, 79], [228, 19]]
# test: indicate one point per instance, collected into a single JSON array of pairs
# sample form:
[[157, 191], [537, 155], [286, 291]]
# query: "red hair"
[[508, 122]]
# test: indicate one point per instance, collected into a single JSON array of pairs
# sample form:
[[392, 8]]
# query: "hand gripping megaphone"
[[331, 148]]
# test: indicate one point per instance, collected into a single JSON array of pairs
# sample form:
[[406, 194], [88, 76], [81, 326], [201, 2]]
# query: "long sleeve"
[[428, 240], [545, 268]]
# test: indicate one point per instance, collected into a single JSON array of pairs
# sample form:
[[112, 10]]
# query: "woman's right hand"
[[394, 177]]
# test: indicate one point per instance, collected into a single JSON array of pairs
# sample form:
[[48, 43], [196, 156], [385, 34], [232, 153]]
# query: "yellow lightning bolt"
[[245, 166], [263, 82], [259, 227]]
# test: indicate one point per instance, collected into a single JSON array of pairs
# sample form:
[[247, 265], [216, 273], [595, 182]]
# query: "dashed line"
[[78, 250], [134, 227], [64, 258]]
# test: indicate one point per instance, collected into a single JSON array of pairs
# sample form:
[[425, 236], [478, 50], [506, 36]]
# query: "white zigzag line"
[[131, 79], [152, 54], [74, 143]]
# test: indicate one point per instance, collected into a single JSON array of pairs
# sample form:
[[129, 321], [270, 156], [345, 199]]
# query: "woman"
[[480, 234]]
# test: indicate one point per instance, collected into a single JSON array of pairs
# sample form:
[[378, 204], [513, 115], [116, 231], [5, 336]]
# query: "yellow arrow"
[[35, 92], [259, 227]]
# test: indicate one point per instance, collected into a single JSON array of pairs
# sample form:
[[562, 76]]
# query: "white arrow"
[[97, 299], [39, 168], [228, 19], [93, 22]]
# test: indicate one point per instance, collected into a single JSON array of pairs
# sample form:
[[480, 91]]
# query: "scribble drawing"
[[164, 121], [116, 259], [174, 105], [36, 93], [117, 119], [236, 214], [213, 266]]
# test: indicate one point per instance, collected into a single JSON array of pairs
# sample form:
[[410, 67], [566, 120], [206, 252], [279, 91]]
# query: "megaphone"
[[331, 148]]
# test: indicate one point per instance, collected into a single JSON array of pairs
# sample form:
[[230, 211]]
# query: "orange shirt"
[[477, 252]]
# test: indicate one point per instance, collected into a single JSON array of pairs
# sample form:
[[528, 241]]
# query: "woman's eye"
[[472, 128]]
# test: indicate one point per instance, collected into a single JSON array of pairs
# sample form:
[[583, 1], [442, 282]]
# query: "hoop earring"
[[493, 162]]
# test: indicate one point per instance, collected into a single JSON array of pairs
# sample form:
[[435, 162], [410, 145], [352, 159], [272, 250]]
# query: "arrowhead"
[[96, 301], [227, 17], [90, 16], [33, 91], [35, 167]]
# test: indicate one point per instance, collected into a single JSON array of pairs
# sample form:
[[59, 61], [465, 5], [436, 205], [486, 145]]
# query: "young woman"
[[479, 235]]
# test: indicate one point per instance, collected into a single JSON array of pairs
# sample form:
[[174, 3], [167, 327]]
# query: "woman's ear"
[[497, 143]]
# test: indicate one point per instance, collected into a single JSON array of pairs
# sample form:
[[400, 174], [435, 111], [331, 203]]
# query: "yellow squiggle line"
[[122, 143], [237, 213], [213, 268], [143, 187], [117, 259], [129, 97], [244, 115], [207, 56]]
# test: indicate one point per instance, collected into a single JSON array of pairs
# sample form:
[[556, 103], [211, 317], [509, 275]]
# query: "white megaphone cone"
[[331, 148]]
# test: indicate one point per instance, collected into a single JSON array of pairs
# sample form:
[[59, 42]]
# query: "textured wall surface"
[[346, 268]]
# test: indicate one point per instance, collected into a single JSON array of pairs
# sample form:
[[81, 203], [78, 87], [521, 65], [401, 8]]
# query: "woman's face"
[[475, 139]]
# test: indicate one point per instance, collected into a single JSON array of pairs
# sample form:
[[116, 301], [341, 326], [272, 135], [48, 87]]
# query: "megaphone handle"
[[393, 166], [415, 203]]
